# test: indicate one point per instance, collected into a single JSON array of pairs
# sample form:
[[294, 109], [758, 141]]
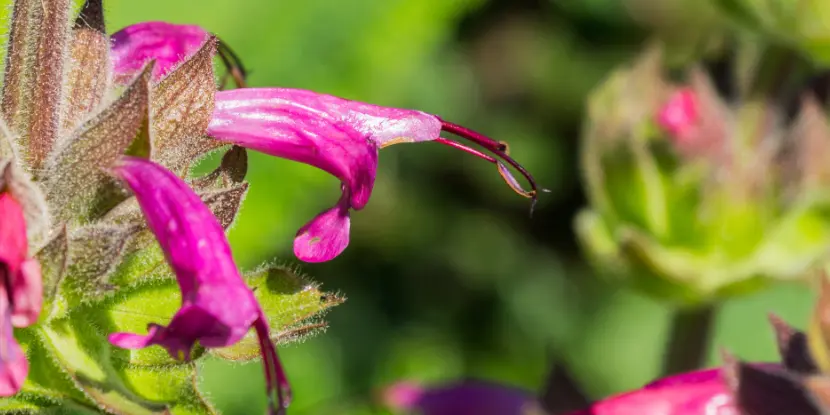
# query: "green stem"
[[689, 340]]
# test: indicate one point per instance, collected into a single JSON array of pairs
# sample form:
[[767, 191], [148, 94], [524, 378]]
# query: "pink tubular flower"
[[339, 136], [217, 308], [21, 292]]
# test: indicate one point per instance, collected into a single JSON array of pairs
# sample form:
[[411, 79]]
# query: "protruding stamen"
[[466, 149], [233, 65], [473, 136], [499, 150]]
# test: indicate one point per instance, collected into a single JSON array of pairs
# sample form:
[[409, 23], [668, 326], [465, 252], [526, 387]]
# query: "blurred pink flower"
[[702, 392], [679, 116]]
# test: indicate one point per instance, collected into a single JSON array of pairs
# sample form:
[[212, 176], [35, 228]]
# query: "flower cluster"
[[97, 138]]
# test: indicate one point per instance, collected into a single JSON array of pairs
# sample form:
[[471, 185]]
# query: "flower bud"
[[692, 197]]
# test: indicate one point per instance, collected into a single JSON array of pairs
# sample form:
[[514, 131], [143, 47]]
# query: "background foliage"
[[446, 275]]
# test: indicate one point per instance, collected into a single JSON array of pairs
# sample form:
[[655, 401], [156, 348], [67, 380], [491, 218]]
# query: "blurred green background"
[[446, 275]]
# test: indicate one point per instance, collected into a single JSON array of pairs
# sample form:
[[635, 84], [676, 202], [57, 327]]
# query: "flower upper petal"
[[325, 236], [269, 120], [339, 136], [167, 43]]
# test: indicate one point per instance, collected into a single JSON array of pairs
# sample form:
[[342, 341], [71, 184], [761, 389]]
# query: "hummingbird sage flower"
[[105, 233], [218, 309], [693, 196], [339, 136]]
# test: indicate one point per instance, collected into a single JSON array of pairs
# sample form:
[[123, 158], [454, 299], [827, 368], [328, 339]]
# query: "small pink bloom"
[[21, 293], [681, 114], [218, 309]]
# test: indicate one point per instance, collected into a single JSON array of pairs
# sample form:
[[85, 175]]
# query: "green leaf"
[[132, 310], [739, 11], [294, 307], [175, 384], [84, 355]]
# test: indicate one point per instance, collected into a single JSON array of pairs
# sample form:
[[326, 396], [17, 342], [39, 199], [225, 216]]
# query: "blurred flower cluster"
[[697, 192], [798, 384]]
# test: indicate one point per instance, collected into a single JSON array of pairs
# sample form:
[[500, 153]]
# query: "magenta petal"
[[132, 340], [26, 294], [167, 43], [196, 248], [13, 364], [325, 236], [693, 393], [218, 309], [272, 122]]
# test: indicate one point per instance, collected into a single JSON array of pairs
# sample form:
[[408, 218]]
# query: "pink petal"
[[26, 294], [169, 44], [694, 393], [13, 364], [270, 121], [325, 236], [382, 125], [134, 341], [192, 239], [680, 114], [218, 309], [13, 242]]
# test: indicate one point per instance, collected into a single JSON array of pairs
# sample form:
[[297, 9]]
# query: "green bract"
[[735, 197]]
